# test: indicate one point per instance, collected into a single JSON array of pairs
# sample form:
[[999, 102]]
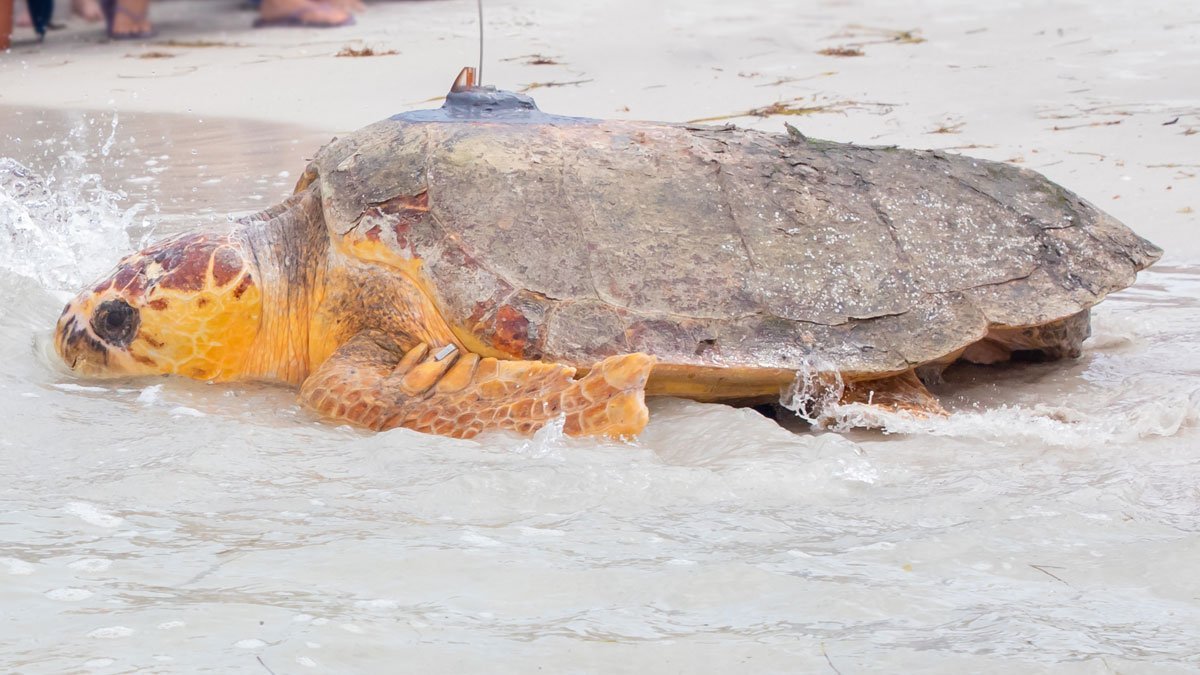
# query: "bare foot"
[[131, 20], [302, 13], [22, 20], [88, 10], [352, 6]]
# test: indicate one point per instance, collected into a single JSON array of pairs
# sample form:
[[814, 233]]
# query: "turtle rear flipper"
[[372, 381], [899, 393], [1046, 342]]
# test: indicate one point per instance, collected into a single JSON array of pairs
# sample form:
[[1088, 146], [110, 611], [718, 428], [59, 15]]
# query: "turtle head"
[[188, 306]]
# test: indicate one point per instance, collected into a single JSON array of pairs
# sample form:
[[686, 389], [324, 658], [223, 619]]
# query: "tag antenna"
[[479, 72]]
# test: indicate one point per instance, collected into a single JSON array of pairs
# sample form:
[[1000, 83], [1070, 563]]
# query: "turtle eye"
[[116, 322]]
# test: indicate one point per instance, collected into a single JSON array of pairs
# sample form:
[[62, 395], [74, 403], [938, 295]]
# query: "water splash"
[[1054, 425], [61, 238], [106, 149], [814, 392], [549, 441]]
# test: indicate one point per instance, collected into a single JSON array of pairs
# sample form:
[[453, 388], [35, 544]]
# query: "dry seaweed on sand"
[[788, 80], [197, 44], [793, 107], [866, 35], [862, 36], [1111, 114], [536, 60], [776, 108], [954, 128], [1108, 123], [907, 37], [545, 85], [1097, 155], [151, 55], [841, 51], [356, 52]]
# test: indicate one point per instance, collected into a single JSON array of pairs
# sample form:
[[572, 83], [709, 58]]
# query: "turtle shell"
[[568, 239]]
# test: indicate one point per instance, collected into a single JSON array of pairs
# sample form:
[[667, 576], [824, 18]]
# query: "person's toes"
[[315, 14], [125, 26], [88, 10], [328, 15], [352, 6]]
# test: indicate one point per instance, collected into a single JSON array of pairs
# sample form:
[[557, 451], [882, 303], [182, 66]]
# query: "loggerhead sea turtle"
[[452, 270]]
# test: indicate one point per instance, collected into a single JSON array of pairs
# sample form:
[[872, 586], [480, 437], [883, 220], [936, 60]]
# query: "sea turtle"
[[452, 271]]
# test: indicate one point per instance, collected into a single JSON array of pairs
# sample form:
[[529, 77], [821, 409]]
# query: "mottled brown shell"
[[570, 240]]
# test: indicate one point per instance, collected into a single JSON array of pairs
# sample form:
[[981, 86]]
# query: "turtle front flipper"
[[372, 381]]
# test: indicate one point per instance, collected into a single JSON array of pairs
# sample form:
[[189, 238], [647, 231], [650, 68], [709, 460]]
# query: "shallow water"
[[1050, 524]]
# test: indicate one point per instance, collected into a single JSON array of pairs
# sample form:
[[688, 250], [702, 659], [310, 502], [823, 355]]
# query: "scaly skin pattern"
[[372, 381], [274, 301], [193, 305]]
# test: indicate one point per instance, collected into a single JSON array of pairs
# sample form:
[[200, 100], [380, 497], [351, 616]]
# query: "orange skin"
[[197, 310], [366, 343]]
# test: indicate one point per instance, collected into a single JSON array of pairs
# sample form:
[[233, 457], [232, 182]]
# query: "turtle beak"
[[74, 342]]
